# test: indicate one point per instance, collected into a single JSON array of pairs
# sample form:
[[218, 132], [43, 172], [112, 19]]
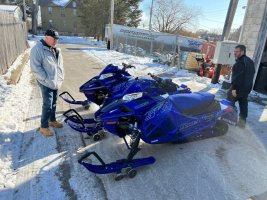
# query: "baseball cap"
[[52, 33]]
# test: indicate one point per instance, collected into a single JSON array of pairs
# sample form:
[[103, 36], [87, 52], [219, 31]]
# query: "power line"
[[204, 26], [199, 25], [223, 10], [220, 22]]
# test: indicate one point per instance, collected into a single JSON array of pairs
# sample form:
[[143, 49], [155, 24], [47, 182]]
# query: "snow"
[[8, 8], [14, 97], [13, 107], [62, 3]]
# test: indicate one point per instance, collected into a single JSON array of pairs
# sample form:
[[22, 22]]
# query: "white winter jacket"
[[47, 69]]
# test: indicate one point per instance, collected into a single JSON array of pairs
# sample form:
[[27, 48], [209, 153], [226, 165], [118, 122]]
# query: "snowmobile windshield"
[[104, 76], [111, 105]]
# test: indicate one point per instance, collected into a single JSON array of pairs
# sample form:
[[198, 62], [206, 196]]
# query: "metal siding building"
[[254, 36]]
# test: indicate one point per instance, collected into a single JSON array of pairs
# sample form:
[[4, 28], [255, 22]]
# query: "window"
[[64, 23], [74, 11], [50, 10], [50, 23], [62, 12], [74, 5], [75, 27]]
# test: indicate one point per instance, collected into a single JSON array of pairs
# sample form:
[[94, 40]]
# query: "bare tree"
[[234, 35], [172, 16]]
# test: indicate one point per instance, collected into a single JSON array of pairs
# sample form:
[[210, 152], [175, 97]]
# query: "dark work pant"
[[49, 105], [242, 101]]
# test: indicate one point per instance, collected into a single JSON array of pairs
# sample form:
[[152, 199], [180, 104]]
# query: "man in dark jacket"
[[242, 82]]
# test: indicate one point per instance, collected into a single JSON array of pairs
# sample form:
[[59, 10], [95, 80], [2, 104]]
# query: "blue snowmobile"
[[175, 118], [154, 87], [99, 86]]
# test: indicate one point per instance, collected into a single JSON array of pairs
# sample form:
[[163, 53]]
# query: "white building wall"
[[252, 24], [255, 30]]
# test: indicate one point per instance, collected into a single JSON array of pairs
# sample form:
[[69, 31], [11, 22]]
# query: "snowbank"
[[14, 104], [61, 2]]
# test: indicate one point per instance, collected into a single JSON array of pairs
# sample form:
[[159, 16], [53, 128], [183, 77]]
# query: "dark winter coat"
[[242, 75]]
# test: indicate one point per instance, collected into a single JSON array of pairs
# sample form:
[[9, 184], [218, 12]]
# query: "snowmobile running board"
[[71, 99], [114, 167]]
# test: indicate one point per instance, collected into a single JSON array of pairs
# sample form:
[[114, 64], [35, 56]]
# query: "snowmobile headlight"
[[132, 96], [165, 96], [104, 76]]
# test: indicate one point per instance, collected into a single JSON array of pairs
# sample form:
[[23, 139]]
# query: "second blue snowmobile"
[[99, 86]]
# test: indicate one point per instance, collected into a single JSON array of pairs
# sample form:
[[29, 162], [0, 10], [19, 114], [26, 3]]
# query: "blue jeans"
[[49, 105], [242, 99]]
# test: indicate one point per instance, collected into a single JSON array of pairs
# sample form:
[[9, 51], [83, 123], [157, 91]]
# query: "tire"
[[102, 133], [89, 134], [119, 177], [96, 137], [132, 173], [86, 107], [221, 127]]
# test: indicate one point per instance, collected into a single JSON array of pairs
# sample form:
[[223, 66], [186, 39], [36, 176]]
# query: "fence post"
[[125, 49], [175, 51], [117, 42], [179, 53], [135, 46], [151, 47]]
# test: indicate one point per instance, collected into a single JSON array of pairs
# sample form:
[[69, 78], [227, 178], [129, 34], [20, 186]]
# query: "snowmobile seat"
[[195, 103]]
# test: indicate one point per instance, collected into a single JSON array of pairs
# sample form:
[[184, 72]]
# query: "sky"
[[213, 14]]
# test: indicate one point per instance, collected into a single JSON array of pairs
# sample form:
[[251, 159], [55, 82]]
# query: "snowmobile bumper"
[[66, 96]]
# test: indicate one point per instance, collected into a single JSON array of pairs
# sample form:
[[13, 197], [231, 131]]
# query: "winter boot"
[[55, 124], [46, 132]]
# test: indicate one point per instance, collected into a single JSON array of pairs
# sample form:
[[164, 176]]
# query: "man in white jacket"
[[47, 65]]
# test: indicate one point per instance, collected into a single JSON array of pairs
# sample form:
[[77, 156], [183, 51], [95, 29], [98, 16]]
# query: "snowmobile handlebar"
[[164, 83], [156, 78], [126, 66], [87, 154]]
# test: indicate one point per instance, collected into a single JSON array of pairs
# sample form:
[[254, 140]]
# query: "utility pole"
[[111, 23], [225, 35], [35, 16], [151, 11], [242, 27], [24, 11], [150, 26], [229, 19]]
